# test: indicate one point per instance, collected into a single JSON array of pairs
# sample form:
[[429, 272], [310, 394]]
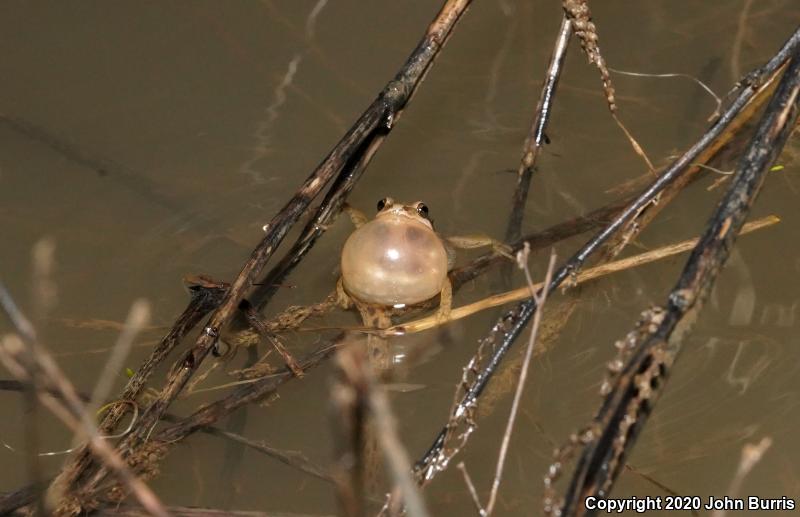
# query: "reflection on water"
[[151, 141]]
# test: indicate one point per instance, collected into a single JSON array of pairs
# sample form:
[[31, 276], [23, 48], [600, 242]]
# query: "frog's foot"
[[445, 303], [480, 241], [358, 217], [294, 316]]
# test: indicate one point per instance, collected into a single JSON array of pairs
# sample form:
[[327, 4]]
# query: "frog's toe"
[[442, 315]]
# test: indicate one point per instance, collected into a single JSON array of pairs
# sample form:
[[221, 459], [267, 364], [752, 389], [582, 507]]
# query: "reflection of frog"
[[395, 261]]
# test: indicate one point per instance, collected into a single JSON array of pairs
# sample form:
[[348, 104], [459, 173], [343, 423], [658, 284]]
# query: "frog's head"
[[417, 211]]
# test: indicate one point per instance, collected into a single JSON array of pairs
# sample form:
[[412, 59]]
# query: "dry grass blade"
[[592, 273]]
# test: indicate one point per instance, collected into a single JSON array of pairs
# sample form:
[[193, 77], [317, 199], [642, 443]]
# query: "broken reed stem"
[[536, 136], [349, 430], [357, 390], [45, 295], [397, 459], [635, 392], [592, 273], [507, 329]]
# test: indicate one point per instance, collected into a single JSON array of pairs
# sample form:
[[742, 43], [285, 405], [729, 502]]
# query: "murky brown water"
[[154, 140]]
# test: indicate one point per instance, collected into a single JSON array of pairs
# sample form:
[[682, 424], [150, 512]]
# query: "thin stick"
[[291, 458], [471, 487], [593, 273], [255, 320], [536, 136], [736, 49], [138, 317], [397, 458], [522, 259], [45, 295]]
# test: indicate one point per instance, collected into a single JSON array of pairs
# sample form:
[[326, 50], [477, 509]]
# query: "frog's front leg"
[[343, 299], [480, 241], [358, 217], [445, 302]]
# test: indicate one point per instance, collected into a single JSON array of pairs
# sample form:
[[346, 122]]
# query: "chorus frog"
[[397, 260]]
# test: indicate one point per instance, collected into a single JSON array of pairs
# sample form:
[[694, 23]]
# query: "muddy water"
[[155, 140]]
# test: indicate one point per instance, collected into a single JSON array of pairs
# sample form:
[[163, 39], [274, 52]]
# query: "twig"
[[290, 458], [736, 48], [354, 364], [634, 394], [471, 487], [45, 295], [11, 501], [692, 78], [397, 458], [255, 320], [536, 136], [137, 318], [349, 429], [541, 298]]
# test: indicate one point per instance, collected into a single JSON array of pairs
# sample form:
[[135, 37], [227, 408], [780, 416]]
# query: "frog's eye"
[[422, 209], [383, 202]]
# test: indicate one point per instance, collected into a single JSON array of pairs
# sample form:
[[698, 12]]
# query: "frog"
[[397, 261]]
